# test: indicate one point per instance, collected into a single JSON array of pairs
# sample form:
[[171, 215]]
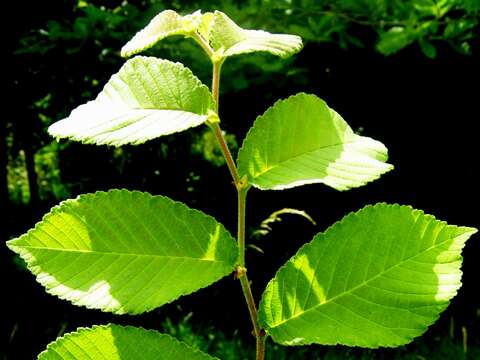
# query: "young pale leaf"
[[126, 252], [114, 342], [379, 277], [228, 39], [146, 99], [301, 141], [167, 23]]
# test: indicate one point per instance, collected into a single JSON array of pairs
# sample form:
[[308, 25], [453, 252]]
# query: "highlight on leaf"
[[147, 98], [167, 23], [215, 30], [379, 277], [300, 140], [228, 39], [114, 342], [126, 251]]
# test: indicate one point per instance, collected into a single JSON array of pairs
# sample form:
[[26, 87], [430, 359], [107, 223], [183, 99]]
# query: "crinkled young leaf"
[[126, 252], [146, 99], [167, 23], [379, 277], [217, 29], [114, 342], [301, 141], [228, 39]]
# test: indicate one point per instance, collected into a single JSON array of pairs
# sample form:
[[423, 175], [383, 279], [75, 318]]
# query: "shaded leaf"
[[427, 48], [114, 342], [125, 252], [379, 277], [146, 99], [301, 141]]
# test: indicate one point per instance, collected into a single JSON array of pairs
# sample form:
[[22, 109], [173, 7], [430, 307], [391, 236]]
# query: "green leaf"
[[217, 30], [228, 39], [301, 141], [427, 48], [379, 277], [146, 99], [167, 23], [114, 342], [125, 252], [395, 39]]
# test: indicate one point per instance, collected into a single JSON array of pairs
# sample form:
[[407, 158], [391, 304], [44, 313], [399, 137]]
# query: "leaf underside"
[[114, 342], [379, 277], [166, 23], [230, 39], [146, 99], [300, 140], [125, 252], [219, 31]]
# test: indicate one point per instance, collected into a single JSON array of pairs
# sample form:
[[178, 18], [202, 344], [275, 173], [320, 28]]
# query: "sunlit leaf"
[[219, 31], [113, 342], [379, 277], [167, 23], [146, 99], [228, 39], [301, 141], [125, 252]]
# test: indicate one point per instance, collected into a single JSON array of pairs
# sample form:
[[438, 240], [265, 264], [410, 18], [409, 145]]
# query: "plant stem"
[[241, 206], [252, 308], [203, 43], [217, 66], [222, 143], [260, 353], [242, 189]]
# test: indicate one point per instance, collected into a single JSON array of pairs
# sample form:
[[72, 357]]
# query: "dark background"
[[423, 106]]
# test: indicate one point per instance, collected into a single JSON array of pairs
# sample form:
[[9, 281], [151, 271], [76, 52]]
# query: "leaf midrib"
[[364, 282], [113, 253], [137, 108]]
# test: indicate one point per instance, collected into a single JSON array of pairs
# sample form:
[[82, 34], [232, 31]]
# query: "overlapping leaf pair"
[[377, 278]]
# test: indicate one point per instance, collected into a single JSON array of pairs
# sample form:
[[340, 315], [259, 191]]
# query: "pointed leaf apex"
[[379, 277]]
